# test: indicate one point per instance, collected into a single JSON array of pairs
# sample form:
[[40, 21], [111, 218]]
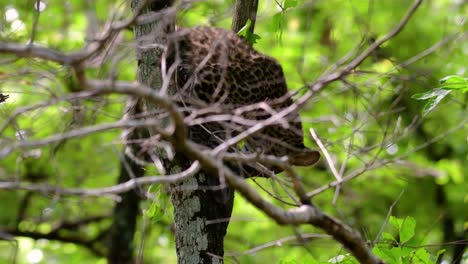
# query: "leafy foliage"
[[449, 84], [363, 119], [250, 37], [402, 251]]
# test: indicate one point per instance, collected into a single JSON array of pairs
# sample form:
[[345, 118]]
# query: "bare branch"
[[34, 51], [377, 164], [301, 215], [317, 86], [106, 191], [364, 55], [176, 134], [74, 59], [90, 244], [80, 133], [329, 159], [277, 243], [389, 213], [330, 162]]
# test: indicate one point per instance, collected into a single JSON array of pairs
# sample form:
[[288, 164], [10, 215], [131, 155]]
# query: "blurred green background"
[[364, 120]]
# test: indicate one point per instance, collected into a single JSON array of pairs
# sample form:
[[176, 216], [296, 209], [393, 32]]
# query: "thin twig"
[[106, 191], [277, 243], [389, 213], [374, 165], [330, 162]]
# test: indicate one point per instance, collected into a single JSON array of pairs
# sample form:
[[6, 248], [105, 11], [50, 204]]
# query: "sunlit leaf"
[[156, 209], [243, 31], [430, 94], [453, 169], [386, 254], [407, 229], [433, 102], [454, 82], [290, 4], [250, 37], [277, 25], [396, 222], [422, 256], [388, 236], [396, 253]]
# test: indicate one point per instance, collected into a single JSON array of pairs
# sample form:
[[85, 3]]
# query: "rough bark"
[[199, 212], [201, 215], [121, 246], [245, 10], [202, 208]]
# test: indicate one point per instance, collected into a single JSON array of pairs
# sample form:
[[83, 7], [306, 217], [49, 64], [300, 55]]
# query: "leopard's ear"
[[305, 158]]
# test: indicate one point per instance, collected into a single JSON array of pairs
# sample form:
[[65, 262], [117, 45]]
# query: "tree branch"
[[374, 46], [106, 191], [92, 244]]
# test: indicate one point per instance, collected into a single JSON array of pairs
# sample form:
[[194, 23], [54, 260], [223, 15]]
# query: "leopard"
[[217, 69]]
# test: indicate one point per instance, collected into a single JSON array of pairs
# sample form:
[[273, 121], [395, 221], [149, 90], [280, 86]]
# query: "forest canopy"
[[380, 86]]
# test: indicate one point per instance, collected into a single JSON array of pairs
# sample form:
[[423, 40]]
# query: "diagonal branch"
[[365, 54]]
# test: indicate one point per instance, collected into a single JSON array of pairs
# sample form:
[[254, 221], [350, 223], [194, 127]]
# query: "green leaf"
[[288, 262], [430, 94], [396, 222], [289, 4], [440, 252], [386, 255], [454, 82], [150, 211], [452, 169], [155, 212], [277, 26], [422, 256], [343, 259], [452, 79], [252, 38], [433, 102], [450, 83], [244, 30], [156, 209], [397, 253], [388, 236], [406, 252], [407, 229]]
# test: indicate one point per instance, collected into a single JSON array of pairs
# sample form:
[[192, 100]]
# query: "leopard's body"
[[219, 69]]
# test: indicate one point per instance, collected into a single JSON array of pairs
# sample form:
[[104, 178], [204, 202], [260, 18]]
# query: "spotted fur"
[[217, 68]]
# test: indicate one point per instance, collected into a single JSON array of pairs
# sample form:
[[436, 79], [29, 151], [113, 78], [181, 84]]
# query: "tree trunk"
[[122, 231], [201, 215], [245, 10], [201, 208], [200, 221]]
